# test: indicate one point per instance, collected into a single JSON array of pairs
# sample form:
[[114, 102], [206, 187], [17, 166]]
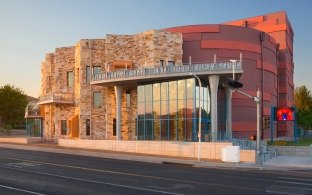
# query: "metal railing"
[[267, 152], [244, 144], [57, 98], [32, 109], [149, 71]]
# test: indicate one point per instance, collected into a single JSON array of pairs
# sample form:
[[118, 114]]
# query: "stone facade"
[[75, 105]]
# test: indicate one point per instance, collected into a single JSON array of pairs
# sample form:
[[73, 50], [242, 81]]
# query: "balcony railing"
[[32, 110], [57, 98], [150, 71]]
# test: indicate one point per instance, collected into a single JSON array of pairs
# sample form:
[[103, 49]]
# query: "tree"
[[303, 102], [12, 105], [303, 98]]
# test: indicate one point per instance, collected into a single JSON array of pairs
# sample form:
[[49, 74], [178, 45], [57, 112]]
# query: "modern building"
[[153, 85]]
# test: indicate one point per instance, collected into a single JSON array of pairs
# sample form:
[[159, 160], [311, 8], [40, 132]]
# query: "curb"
[[163, 160]]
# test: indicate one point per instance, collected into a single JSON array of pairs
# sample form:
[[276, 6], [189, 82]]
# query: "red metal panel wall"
[[263, 67], [278, 26], [227, 44]]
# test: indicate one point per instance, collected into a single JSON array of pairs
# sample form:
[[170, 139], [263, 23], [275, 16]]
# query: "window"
[[128, 102], [161, 62], [166, 111], [87, 126], [114, 126], [88, 74], [97, 99], [96, 70], [70, 79], [171, 63], [63, 127]]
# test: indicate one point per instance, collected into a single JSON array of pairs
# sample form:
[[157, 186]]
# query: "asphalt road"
[[30, 172]]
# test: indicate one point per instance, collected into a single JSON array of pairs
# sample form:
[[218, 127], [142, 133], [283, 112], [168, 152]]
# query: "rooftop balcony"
[[57, 99], [134, 76]]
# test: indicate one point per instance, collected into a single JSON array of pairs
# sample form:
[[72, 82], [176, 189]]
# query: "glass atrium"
[[170, 110]]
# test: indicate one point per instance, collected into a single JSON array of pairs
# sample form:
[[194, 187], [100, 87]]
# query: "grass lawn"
[[300, 142]]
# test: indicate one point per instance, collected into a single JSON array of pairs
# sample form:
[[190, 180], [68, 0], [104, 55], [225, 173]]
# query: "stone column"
[[118, 91], [214, 82], [228, 96]]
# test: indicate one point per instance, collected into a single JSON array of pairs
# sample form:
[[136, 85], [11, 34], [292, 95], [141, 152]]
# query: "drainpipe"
[[91, 78]]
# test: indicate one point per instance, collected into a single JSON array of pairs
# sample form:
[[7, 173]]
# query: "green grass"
[[300, 142]]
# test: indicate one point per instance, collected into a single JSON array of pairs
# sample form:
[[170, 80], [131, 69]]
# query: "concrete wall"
[[300, 151], [209, 150], [20, 140]]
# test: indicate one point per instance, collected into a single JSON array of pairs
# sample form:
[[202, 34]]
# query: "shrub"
[[8, 129], [281, 143]]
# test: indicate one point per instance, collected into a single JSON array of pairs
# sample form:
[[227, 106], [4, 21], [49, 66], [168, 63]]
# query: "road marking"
[[21, 190], [22, 164], [174, 186], [139, 175], [90, 181], [297, 183], [291, 178], [274, 189]]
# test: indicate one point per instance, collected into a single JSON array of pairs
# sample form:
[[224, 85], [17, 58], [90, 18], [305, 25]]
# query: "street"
[[31, 172]]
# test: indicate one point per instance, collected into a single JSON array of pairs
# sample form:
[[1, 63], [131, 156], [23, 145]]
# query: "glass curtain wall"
[[170, 111]]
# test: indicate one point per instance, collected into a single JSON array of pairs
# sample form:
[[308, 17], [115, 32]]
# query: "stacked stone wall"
[[144, 49], [46, 80]]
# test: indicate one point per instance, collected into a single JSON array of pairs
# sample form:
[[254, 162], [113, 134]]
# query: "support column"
[[118, 91], [228, 95], [214, 82]]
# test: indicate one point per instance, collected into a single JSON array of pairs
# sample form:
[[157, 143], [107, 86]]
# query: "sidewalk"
[[290, 161], [278, 163]]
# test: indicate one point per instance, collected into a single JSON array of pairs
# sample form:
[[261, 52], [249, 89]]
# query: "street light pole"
[[199, 117], [258, 160], [257, 99], [233, 84]]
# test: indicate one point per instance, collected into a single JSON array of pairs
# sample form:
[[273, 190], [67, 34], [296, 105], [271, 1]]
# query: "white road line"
[[299, 179], [278, 189], [91, 181], [297, 183], [21, 190]]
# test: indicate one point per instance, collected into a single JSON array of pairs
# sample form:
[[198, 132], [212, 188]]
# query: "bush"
[[8, 129], [280, 143], [19, 127], [300, 142]]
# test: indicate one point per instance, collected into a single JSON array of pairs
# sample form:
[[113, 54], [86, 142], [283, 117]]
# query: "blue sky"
[[30, 29]]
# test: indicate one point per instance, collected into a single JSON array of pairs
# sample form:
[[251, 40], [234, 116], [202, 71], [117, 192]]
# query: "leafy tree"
[[303, 98], [303, 102], [12, 105]]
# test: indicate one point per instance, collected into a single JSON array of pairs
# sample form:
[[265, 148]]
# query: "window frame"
[[95, 103], [63, 125], [88, 74], [70, 81]]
